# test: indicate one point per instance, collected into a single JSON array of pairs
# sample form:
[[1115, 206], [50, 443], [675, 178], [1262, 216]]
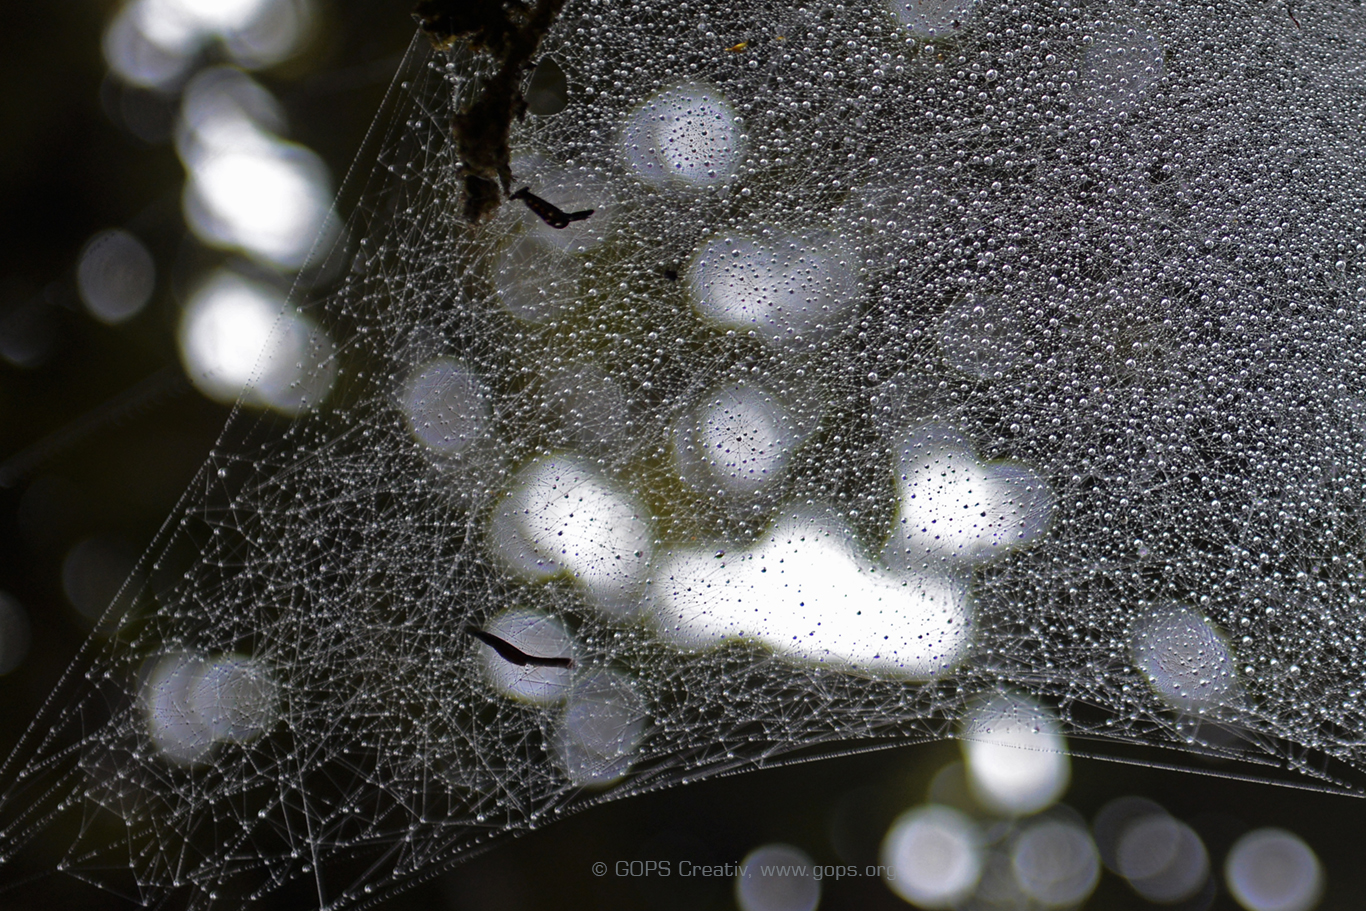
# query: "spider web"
[[911, 355]]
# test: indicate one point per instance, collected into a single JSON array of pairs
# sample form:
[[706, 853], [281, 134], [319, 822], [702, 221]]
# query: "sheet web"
[[911, 355]]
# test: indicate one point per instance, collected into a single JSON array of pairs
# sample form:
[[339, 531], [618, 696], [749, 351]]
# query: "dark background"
[[82, 153]]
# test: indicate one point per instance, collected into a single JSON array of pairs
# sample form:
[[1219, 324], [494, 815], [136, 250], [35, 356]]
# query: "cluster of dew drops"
[[1006, 341]]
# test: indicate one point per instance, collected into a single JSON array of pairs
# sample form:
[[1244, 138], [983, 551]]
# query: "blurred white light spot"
[[179, 732], [534, 633], [1186, 660], [777, 877], [115, 276], [739, 439], [1273, 870], [272, 201], [803, 590], [777, 286], [933, 18], [447, 406], [15, 634], [136, 58], [688, 135], [152, 42], [1114, 819], [193, 704], [1015, 755], [247, 188], [93, 571], [955, 509], [1163, 859], [999, 885], [1055, 863], [599, 731], [236, 698], [273, 35], [237, 338], [563, 516], [935, 854], [223, 15], [224, 108], [224, 332]]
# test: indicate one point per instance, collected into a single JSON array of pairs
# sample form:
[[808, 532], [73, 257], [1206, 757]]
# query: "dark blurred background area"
[[134, 268], [101, 429]]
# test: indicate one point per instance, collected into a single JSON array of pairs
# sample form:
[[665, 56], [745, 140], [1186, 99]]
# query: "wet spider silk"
[[915, 357]]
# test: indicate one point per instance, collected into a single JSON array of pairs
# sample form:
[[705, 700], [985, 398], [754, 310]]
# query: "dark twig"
[[550, 213], [513, 655], [510, 33]]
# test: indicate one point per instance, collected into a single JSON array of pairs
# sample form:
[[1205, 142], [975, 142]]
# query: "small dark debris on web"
[[550, 213], [671, 274], [1289, 11], [513, 655], [508, 32]]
